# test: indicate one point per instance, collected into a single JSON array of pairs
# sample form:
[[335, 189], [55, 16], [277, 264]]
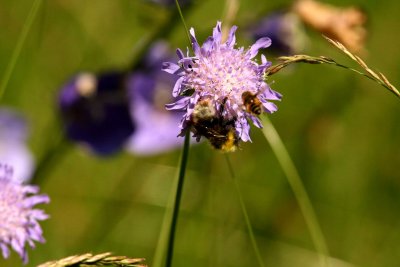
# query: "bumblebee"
[[208, 122], [252, 104]]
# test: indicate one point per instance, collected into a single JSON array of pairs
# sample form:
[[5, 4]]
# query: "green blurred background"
[[341, 129]]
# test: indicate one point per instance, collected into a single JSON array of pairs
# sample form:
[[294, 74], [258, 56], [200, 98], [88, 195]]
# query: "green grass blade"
[[245, 214], [178, 7], [162, 242], [18, 47], [375, 76], [298, 188], [168, 228]]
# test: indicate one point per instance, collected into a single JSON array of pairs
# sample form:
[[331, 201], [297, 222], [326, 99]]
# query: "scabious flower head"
[[222, 73], [95, 111], [18, 218]]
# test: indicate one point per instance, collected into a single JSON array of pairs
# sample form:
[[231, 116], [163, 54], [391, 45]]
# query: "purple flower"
[[95, 111], [13, 148], [149, 91], [116, 110], [285, 31], [220, 88], [18, 219]]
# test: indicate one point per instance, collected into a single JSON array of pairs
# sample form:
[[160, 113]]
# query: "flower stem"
[[17, 50], [244, 211], [178, 7], [162, 31], [178, 196], [298, 188]]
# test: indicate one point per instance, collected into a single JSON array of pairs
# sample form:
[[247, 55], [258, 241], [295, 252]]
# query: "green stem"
[[17, 50], [178, 196], [161, 32], [246, 216], [298, 188], [178, 7]]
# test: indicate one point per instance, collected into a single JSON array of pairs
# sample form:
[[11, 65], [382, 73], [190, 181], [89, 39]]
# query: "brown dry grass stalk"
[[88, 259], [375, 76]]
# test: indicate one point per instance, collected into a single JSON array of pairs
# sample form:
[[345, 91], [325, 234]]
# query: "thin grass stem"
[[375, 76], [162, 31], [18, 47], [245, 214], [162, 242], [183, 21], [178, 196], [298, 188]]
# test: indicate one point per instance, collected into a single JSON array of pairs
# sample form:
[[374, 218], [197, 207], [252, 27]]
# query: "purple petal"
[[5, 250], [269, 94], [256, 121], [243, 127], [177, 87], [270, 107], [195, 44], [231, 38], [170, 67], [264, 64], [180, 53], [217, 33], [37, 199], [207, 45], [181, 104], [188, 63], [261, 43]]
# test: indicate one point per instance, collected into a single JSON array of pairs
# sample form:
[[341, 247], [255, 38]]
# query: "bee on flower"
[[221, 74]]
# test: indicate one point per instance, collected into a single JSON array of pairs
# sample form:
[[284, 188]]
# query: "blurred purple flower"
[[149, 90], [18, 219], [116, 110], [13, 148], [219, 75], [285, 31], [96, 111]]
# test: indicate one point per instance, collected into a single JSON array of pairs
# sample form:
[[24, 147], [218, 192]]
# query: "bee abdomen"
[[256, 109]]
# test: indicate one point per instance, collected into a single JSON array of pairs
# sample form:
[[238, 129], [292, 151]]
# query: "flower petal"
[[195, 44], [270, 107], [231, 38], [217, 34], [177, 87], [170, 67], [180, 53], [181, 104], [261, 43], [207, 46]]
